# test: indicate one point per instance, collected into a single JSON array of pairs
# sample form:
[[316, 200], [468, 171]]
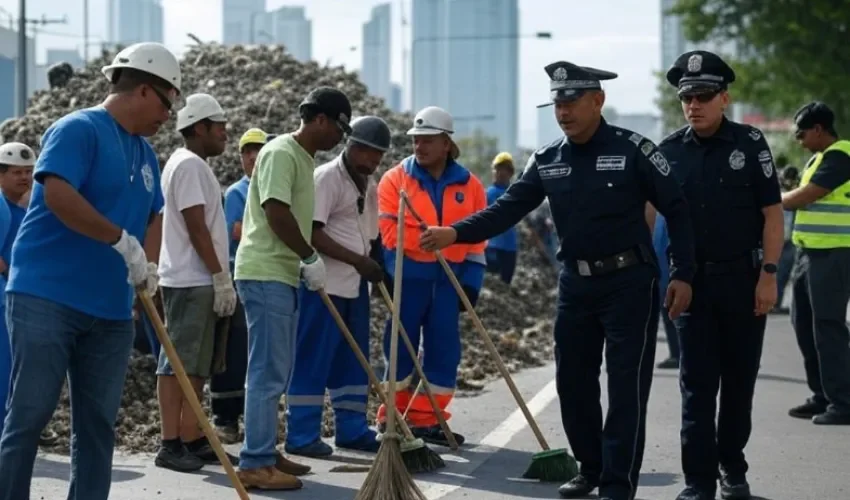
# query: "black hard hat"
[[331, 102], [371, 131]]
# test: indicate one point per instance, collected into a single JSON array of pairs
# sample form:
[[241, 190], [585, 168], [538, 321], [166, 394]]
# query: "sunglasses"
[[701, 98], [163, 99]]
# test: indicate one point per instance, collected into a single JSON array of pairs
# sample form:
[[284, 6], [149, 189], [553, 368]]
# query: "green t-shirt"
[[283, 171]]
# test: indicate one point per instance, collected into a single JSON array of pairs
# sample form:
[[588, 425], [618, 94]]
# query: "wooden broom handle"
[[189, 391], [479, 327]]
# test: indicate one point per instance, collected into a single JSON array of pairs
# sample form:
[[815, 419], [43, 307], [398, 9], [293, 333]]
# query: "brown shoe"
[[289, 467], [268, 478]]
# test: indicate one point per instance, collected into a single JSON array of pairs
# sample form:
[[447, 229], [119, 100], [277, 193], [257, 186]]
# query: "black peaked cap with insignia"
[[700, 71], [568, 81]]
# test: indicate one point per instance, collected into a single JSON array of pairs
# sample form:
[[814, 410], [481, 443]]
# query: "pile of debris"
[[262, 87]]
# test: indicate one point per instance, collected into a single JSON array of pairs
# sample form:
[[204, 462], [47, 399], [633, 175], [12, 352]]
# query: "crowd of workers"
[[249, 281]]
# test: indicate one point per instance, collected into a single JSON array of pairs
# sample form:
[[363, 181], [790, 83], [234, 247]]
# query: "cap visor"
[[424, 131], [697, 88]]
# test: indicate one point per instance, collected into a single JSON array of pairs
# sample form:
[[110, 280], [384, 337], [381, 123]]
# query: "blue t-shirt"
[[7, 236], [661, 240], [508, 239], [234, 207], [118, 174], [17, 216]]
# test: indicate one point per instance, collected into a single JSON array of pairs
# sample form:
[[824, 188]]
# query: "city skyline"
[[617, 35]]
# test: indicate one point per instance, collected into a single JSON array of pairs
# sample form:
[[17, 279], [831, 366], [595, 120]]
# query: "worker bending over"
[[345, 220], [441, 192]]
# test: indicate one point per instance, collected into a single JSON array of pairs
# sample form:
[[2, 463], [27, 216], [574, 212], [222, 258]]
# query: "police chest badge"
[[660, 163], [737, 159], [147, 176]]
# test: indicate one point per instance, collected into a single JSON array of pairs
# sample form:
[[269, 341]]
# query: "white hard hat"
[[434, 121], [16, 154], [199, 107], [150, 57]]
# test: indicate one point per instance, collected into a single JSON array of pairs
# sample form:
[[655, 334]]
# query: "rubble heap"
[[262, 87]]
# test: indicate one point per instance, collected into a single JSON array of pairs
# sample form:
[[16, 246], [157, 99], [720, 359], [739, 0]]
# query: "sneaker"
[[434, 435], [268, 478], [808, 409], [831, 417], [204, 450], [692, 493], [367, 442], [316, 449], [669, 364], [178, 459], [289, 467]]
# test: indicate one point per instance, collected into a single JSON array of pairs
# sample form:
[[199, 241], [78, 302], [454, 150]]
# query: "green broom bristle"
[[552, 465], [389, 478]]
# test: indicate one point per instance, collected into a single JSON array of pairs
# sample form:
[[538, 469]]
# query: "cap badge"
[[694, 63], [560, 74]]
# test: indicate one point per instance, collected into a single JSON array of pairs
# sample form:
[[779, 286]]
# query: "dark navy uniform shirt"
[[727, 178], [597, 192]]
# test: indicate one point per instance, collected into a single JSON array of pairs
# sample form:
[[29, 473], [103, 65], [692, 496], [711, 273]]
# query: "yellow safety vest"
[[826, 222]]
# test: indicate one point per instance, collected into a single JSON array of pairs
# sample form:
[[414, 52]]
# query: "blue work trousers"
[[271, 310], [5, 362], [325, 360], [48, 341], [616, 314]]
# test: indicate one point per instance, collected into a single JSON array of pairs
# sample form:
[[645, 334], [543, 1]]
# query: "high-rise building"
[[134, 21], [9, 71], [290, 27], [375, 69], [70, 56], [465, 59], [242, 20], [548, 129], [395, 102]]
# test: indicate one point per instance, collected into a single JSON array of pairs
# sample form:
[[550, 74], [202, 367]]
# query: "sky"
[[615, 35]]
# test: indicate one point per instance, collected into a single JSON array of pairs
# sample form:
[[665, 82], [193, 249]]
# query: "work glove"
[[313, 272], [151, 282], [369, 269], [134, 256], [225, 295]]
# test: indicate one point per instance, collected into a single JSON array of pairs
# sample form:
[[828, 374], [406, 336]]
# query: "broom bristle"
[[389, 478], [552, 465], [419, 458]]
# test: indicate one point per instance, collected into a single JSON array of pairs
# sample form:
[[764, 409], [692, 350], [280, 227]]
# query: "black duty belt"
[[740, 265], [606, 265]]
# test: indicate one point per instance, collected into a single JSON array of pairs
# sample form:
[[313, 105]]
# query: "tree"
[[667, 101], [789, 51], [477, 152]]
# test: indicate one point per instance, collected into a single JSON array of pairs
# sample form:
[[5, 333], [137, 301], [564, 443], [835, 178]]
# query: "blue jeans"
[[49, 340], [271, 310], [5, 365]]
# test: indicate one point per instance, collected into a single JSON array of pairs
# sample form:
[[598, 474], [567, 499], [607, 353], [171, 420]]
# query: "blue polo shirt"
[[507, 240], [118, 174], [234, 207], [16, 215]]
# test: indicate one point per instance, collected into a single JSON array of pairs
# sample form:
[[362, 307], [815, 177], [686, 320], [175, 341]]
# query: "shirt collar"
[[724, 133]]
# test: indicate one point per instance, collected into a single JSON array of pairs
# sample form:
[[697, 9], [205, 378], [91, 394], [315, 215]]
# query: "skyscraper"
[[375, 69], [290, 27], [9, 71], [241, 20], [133, 21], [465, 59]]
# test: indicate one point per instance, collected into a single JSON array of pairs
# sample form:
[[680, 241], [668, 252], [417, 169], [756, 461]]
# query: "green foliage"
[[477, 153], [789, 51], [667, 101]]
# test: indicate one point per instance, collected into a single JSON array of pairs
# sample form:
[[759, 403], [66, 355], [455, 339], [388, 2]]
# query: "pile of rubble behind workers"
[[262, 87]]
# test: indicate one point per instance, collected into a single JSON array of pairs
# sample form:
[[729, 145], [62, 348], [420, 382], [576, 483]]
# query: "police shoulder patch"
[[647, 148], [636, 138], [754, 134], [767, 168], [660, 163]]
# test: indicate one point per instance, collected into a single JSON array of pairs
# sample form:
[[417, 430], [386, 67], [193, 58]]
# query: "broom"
[[189, 392], [388, 479], [549, 465], [416, 455]]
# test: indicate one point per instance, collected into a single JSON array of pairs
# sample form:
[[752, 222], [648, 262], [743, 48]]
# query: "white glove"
[[313, 272], [134, 256], [225, 294], [151, 279]]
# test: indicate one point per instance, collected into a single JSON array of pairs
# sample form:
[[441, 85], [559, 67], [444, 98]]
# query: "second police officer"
[[598, 180], [729, 179]]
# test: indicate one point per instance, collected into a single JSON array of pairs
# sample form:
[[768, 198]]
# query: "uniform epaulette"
[[752, 132], [675, 135]]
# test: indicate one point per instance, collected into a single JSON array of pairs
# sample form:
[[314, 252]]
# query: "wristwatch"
[[769, 268]]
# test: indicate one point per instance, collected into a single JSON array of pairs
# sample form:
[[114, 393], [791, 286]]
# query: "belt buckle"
[[583, 268], [621, 261]]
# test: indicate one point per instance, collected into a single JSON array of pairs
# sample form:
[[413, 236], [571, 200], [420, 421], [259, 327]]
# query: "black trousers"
[[501, 262], [721, 343], [617, 312], [818, 314], [227, 390]]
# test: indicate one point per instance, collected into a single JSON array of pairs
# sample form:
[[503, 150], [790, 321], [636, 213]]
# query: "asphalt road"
[[789, 459]]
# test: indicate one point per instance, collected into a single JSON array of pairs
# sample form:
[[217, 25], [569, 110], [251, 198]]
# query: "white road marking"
[[498, 438]]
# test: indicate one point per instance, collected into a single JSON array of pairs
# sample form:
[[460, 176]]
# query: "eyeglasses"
[[163, 99], [701, 98]]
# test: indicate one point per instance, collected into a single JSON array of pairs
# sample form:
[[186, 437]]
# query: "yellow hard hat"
[[252, 136], [503, 157]]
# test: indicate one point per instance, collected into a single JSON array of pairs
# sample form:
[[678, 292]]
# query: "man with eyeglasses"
[[822, 233], [77, 260], [730, 182], [274, 255], [345, 222]]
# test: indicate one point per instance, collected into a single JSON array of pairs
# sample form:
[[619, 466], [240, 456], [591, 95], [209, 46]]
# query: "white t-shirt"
[[188, 181], [336, 208]]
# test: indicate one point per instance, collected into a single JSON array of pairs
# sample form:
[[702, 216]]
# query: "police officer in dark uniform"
[[729, 179], [598, 180]]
